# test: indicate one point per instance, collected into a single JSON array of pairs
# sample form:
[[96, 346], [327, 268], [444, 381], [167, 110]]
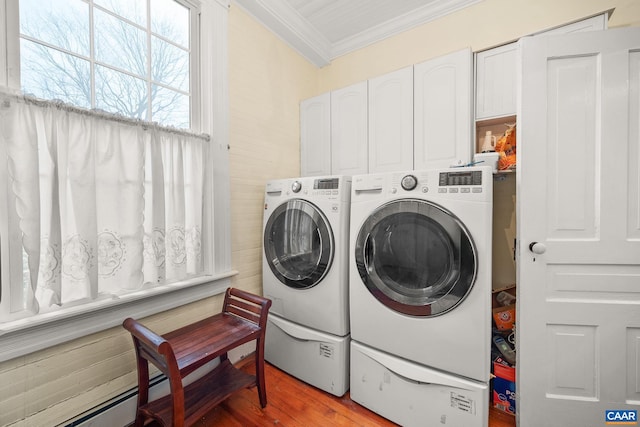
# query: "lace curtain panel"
[[104, 206]]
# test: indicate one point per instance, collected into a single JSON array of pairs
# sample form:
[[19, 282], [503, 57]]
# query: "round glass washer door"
[[298, 244], [416, 257]]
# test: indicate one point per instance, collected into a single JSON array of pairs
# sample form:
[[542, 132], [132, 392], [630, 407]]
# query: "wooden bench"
[[179, 353]]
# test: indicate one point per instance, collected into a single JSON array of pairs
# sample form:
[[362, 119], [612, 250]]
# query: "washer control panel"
[[326, 187], [326, 184]]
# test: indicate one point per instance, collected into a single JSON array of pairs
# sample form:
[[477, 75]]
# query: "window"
[[153, 60], [123, 56]]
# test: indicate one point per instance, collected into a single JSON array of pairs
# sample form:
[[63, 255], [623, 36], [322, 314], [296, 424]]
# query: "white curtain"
[[105, 206]]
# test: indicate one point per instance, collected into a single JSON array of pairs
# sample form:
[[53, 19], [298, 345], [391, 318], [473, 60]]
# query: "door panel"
[[633, 184], [578, 300], [570, 377], [633, 364], [572, 138], [584, 282]]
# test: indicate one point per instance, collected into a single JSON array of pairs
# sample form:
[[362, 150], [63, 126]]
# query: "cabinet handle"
[[537, 248]]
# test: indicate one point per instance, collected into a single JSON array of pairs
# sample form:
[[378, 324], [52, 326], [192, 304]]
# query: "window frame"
[[209, 114]]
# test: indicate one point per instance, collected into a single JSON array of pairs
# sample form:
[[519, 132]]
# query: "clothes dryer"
[[420, 273], [305, 274]]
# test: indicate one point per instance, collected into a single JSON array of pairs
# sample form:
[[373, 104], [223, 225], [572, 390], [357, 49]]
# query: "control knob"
[[409, 182], [296, 186]]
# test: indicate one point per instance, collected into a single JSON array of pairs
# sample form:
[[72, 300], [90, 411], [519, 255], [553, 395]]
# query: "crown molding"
[[280, 18], [430, 12], [286, 23]]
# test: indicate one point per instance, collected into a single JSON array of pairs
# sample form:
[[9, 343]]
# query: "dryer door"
[[298, 244], [416, 257]]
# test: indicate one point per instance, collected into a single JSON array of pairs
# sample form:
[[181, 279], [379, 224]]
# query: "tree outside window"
[[130, 57]]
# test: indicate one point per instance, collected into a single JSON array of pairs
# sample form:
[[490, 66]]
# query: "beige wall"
[[486, 24], [267, 81]]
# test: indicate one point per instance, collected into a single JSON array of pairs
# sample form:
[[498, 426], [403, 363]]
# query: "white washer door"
[[416, 257], [298, 244]]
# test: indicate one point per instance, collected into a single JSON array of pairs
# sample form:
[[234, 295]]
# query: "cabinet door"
[[315, 136], [496, 71], [349, 155], [442, 111], [496, 82], [391, 121]]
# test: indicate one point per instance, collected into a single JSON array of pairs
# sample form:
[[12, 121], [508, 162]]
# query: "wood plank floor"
[[293, 403]]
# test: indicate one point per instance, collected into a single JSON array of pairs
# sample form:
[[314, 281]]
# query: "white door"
[[391, 121], [578, 328], [315, 136], [443, 111], [349, 155]]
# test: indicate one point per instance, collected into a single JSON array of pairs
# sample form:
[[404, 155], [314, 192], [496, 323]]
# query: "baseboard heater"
[[121, 410]]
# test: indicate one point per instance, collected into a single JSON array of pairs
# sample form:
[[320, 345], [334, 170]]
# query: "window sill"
[[25, 336]]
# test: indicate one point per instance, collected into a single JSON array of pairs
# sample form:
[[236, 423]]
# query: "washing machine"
[[420, 281], [305, 274]]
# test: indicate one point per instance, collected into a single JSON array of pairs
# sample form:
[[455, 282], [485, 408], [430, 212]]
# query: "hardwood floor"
[[293, 403]]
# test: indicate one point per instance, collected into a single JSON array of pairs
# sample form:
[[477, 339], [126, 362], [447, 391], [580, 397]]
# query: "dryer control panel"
[[460, 178], [469, 184]]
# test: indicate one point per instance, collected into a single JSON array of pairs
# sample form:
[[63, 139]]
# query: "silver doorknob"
[[537, 248]]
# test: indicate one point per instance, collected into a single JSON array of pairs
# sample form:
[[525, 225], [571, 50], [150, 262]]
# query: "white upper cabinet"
[[443, 111], [496, 71], [496, 82], [349, 150], [315, 136], [391, 121]]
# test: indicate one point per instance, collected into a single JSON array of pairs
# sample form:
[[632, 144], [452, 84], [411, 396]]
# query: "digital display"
[[460, 178], [326, 184]]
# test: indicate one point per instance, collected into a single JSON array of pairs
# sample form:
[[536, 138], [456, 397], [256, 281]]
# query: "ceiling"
[[321, 30]]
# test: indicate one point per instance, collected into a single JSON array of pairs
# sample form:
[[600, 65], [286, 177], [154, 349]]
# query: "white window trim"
[[21, 337], [31, 334]]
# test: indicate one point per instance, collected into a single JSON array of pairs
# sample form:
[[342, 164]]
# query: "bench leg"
[[260, 380], [140, 419]]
